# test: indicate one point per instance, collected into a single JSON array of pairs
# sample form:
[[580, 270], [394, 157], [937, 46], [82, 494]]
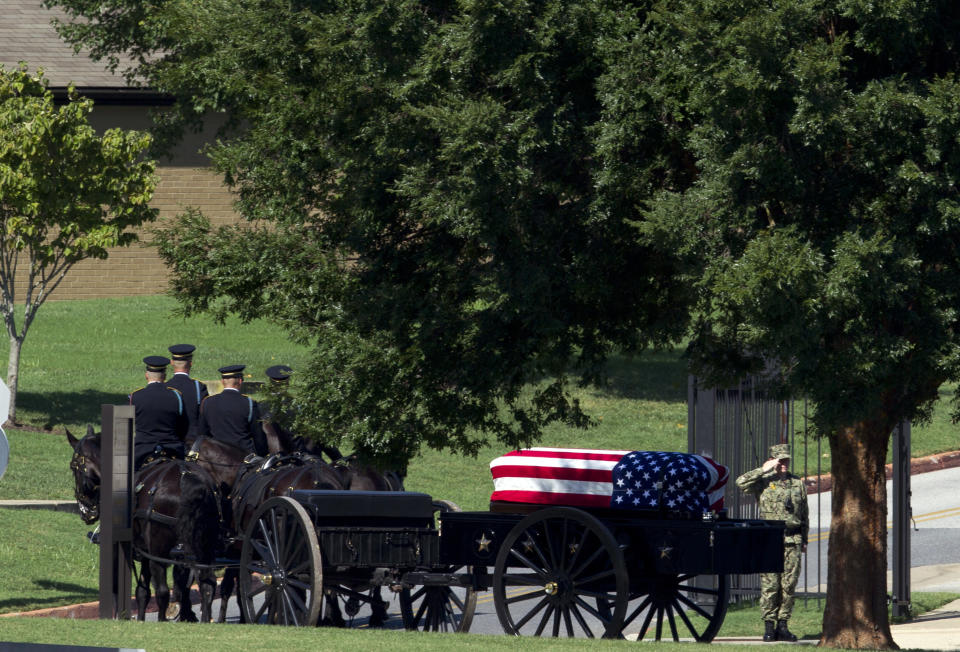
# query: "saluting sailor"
[[781, 496], [161, 421], [193, 391], [232, 417]]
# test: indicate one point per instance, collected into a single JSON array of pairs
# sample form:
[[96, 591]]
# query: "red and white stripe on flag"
[[719, 474], [579, 477], [582, 477]]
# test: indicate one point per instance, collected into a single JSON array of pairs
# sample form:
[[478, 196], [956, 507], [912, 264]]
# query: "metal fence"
[[736, 426]]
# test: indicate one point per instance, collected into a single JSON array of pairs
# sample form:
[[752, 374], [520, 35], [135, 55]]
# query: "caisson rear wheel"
[[553, 570]]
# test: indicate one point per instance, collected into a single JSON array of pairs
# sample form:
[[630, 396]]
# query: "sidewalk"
[[55, 505], [936, 630]]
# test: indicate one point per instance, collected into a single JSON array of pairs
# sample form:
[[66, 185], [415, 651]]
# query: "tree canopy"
[[420, 184], [821, 226], [66, 194], [453, 200]]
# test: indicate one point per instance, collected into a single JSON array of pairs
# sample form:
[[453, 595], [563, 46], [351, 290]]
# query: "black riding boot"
[[783, 634], [768, 633]]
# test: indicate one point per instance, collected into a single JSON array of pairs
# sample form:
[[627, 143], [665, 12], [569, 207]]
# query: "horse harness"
[[257, 484], [149, 513], [193, 455]]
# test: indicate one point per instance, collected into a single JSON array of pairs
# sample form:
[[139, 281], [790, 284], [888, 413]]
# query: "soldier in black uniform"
[[193, 391], [280, 413], [161, 422], [279, 374], [277, 410], [232, 417]]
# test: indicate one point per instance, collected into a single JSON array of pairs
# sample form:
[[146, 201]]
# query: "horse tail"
[[198, 517]]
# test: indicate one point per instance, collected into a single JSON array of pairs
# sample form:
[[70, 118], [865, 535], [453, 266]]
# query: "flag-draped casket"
[[604, 478]]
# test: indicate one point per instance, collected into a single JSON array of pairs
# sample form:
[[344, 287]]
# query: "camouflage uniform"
[[780, 499]]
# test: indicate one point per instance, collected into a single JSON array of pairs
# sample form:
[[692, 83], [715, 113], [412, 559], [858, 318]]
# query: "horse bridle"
[[89, 508]]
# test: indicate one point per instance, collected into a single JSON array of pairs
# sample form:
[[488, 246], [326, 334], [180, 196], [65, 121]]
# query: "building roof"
[[27, 34]]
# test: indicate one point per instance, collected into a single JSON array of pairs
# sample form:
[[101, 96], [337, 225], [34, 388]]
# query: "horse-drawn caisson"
[[576, 543]]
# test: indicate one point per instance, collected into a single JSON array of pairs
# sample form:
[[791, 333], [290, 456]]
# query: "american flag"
[[582, 477]]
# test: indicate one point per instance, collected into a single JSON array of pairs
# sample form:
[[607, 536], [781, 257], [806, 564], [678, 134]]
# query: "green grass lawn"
[[172, 637], [47, 561]]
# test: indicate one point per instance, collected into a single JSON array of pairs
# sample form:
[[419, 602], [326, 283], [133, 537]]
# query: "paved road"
[[935, 502]]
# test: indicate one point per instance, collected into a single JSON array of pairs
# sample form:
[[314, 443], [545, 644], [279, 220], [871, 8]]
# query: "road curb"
[[91, 610], [937, 462], [69, 506], [85, 611]]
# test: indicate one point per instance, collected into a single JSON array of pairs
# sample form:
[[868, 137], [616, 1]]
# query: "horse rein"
[[193, 455]]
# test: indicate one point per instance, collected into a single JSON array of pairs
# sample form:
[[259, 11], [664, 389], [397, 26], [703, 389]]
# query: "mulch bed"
[[91, 610]]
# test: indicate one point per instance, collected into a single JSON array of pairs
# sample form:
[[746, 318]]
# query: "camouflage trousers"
[[777, 589]]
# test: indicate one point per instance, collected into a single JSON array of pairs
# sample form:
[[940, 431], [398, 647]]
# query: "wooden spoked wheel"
[[691, 606], [281, 575], [553, 570], [439, 608]]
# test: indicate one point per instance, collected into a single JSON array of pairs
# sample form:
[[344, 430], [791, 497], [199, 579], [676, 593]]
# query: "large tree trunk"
[[13, 377], [856, 606]]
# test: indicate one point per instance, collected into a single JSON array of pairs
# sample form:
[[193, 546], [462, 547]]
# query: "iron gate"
[[736, 426]]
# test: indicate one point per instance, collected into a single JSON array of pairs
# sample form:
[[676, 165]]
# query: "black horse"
[[354, 474], [222, 463], [246, 482], [156, 505]]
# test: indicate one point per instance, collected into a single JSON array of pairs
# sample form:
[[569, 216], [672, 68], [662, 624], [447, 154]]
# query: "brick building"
[[26, 34]]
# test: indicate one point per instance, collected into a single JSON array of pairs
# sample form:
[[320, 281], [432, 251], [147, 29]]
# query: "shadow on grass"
[[49, 409], [53, 585], [66, 594], [651, 376]]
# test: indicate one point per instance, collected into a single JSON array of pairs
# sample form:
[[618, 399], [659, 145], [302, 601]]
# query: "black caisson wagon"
[[553, 570]]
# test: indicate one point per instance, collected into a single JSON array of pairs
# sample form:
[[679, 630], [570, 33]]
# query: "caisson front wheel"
[[439, 608], [281, 575]]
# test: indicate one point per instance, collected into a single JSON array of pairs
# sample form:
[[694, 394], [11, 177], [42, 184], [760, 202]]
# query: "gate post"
[[701, 419], [116, 504], [900, 601]]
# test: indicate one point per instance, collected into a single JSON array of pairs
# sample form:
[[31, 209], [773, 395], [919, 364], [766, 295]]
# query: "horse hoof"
[[187, 616]]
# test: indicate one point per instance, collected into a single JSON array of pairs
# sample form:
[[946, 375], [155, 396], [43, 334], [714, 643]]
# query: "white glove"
[[770, 465]]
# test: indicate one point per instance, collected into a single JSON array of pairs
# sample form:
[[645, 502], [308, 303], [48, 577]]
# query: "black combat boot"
[[768, 633], [783, 634]]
